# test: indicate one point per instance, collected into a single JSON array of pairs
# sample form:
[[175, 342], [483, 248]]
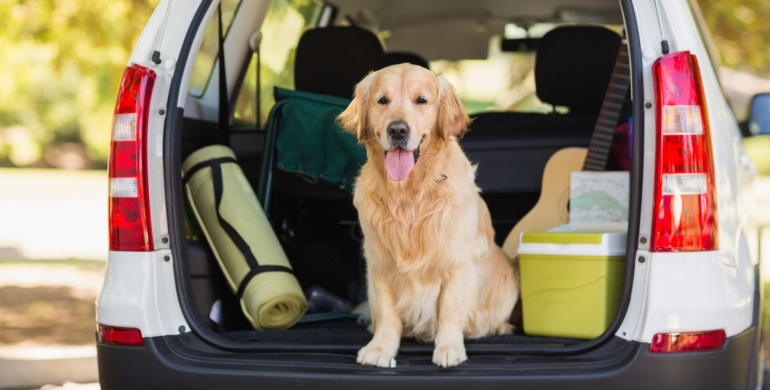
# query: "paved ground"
[[53, 214], [47, 322], [47, 306]]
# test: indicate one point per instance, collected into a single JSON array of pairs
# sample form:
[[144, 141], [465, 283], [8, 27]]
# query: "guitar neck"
[[604, 131]]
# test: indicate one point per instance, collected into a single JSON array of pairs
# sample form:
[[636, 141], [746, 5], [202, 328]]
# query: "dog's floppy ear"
[[452, 118], [353, 119]]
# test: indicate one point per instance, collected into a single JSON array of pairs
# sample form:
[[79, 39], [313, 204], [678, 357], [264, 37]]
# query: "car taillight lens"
[[129, 202], [119, 336], [685, 211], [688, 341]]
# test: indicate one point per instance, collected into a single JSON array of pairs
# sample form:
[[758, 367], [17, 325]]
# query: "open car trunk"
[[322, 241], [317, 226]]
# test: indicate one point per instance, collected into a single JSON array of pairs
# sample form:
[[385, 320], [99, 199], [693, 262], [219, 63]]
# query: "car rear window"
[[207, 56], [283, 26]]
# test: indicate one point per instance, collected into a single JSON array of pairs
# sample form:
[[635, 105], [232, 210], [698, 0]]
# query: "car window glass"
[[705, 36], [502, 82], [284, 23], [207, 55]]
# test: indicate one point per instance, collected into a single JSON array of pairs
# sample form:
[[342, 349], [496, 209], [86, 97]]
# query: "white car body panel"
[[179, 20], [690, 291], [139, 288], [140, 292], [672, 292], [701, 293]]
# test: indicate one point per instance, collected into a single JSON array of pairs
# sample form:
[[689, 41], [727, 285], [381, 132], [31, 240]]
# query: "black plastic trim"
[[637, 160], [171, 362], [236, 91], [174, 198], [211, 72], [756, 368], [172, 164]]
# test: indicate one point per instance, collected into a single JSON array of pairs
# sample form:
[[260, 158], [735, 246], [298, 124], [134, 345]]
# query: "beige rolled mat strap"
[[240, 234]]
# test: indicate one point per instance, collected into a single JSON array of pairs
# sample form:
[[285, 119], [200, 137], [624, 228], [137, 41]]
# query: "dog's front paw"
[[449, 355], [376, 355]]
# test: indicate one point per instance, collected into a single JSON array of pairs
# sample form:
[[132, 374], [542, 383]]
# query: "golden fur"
[[433, 269]]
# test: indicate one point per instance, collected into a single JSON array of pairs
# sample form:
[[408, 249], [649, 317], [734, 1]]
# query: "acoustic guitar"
[[551, 210]]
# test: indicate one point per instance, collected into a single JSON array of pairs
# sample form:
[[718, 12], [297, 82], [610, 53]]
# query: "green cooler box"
[[571, 281]]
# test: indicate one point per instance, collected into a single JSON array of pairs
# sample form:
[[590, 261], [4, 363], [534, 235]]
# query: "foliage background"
[[741, 32], [63, 59], [62, 62]]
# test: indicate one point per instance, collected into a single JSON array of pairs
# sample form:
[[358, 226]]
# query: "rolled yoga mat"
[[242, 239]]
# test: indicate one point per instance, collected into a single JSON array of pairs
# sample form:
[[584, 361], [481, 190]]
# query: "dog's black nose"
[[398, 130]]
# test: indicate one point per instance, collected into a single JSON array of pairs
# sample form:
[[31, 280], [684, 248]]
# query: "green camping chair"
[[303, 138]]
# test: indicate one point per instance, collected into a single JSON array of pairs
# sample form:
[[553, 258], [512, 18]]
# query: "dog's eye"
[[421, 100], [383, 100]]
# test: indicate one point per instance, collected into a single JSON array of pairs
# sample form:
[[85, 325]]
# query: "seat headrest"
[[574, 65], [398, 57], [332, 60]]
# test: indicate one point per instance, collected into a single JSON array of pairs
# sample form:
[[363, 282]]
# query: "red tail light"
[[688, 341], [685, 211], [120, 336], [129, 202]]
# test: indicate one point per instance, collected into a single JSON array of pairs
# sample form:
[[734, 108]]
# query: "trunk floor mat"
[[348, 332]]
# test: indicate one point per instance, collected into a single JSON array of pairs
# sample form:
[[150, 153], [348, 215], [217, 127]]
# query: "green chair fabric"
[[311, 144]]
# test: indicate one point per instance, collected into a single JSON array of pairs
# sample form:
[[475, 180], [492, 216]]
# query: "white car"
[[689, 315]]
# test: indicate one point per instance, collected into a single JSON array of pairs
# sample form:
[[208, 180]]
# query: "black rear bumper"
[[176, 362]]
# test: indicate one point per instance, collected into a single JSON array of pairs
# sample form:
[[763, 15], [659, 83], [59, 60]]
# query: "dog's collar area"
[[415, 152]]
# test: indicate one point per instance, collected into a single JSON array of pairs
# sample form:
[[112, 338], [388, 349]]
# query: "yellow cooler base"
[[570, 296]]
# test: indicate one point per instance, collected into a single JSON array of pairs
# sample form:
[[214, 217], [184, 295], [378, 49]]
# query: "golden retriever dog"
[[434, 271]]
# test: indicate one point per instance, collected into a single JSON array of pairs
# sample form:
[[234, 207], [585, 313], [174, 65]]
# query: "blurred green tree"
[[740, 31], [62, 63], [741, 34]]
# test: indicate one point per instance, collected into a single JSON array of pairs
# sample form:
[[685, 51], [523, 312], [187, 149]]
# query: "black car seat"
[[328, 61], [397, 57], [572, 68], [332, 60]]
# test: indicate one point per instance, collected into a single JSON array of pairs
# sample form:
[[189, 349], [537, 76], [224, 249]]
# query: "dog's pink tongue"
[[399, 163]]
